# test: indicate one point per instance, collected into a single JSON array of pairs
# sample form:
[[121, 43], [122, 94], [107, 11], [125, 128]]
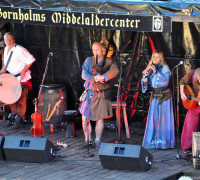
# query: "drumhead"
[[70, 112], [10, 89]]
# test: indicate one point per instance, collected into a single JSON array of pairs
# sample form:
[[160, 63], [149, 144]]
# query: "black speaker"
[[125, 157], [2, 155], [29, 149]]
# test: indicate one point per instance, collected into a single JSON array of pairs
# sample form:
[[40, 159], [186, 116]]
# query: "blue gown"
[[159, 132]]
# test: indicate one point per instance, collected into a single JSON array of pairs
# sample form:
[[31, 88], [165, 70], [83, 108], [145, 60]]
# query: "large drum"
[[196, 149], [50, 95], [10, 89]]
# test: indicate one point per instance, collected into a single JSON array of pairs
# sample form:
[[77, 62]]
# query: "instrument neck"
[[35, 105], [98, 59]]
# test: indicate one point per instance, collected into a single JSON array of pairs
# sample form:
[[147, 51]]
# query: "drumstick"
[[17, 88], [18, 85], [54, 109]]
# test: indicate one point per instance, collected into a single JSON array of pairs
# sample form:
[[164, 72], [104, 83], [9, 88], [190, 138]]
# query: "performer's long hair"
[[196, 74], [161, 58]]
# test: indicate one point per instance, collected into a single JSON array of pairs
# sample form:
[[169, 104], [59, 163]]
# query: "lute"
[[191, 101]]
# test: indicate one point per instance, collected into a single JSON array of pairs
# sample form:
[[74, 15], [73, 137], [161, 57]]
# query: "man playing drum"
[[17, 61]]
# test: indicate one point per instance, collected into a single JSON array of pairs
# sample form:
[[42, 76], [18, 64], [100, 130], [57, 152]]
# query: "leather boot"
[[17, 124], [11, 120]]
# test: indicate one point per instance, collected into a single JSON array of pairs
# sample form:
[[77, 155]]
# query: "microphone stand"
[[39, 93], [119, 97], [45, 73], [88, 131], [178, 156], [119, 105]]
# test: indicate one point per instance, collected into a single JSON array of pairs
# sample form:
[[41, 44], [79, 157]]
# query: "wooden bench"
[[117, 108]]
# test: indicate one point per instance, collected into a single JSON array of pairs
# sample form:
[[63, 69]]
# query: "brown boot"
[[17, 124], [187, 155]]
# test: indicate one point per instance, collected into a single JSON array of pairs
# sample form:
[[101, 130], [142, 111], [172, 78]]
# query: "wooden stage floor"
[[70, 162]]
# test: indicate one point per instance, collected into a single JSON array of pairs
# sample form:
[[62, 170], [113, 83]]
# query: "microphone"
[[181, 62], [50, 54], [123, 62]]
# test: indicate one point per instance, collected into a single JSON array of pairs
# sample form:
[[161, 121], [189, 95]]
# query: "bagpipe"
[[101, 69]]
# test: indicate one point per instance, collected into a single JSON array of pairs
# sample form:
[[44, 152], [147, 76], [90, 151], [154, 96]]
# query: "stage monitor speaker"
[[2, 154], [29, 149], [125, 157]]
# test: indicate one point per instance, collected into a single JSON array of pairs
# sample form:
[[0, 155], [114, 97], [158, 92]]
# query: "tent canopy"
[[120, 15], [134, 7]]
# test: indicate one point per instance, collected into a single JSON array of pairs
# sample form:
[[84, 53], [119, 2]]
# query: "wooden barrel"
[[50, 95]]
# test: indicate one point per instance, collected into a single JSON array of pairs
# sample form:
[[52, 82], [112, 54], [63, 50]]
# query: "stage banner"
[[87, 20]]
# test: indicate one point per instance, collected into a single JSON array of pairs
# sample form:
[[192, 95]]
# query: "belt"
[[95, 91], [17, 75], [160, 90]]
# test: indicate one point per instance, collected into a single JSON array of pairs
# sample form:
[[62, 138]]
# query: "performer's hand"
[[153, 68], [3, 70], [102, 80], [197, 100], [99, 78], [146, 71], [183, 96]]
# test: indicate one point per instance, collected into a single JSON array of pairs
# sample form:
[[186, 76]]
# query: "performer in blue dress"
[[159, 132]]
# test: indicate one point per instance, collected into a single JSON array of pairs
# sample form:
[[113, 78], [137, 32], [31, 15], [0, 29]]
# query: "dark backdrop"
[[70, 47]]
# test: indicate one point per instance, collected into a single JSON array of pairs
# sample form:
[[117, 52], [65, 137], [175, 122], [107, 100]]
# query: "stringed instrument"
[[106, 45], [54, 109], [37, 129], [189, 103]]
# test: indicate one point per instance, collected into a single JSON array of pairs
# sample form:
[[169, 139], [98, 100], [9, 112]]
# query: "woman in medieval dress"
[[159, 132]]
